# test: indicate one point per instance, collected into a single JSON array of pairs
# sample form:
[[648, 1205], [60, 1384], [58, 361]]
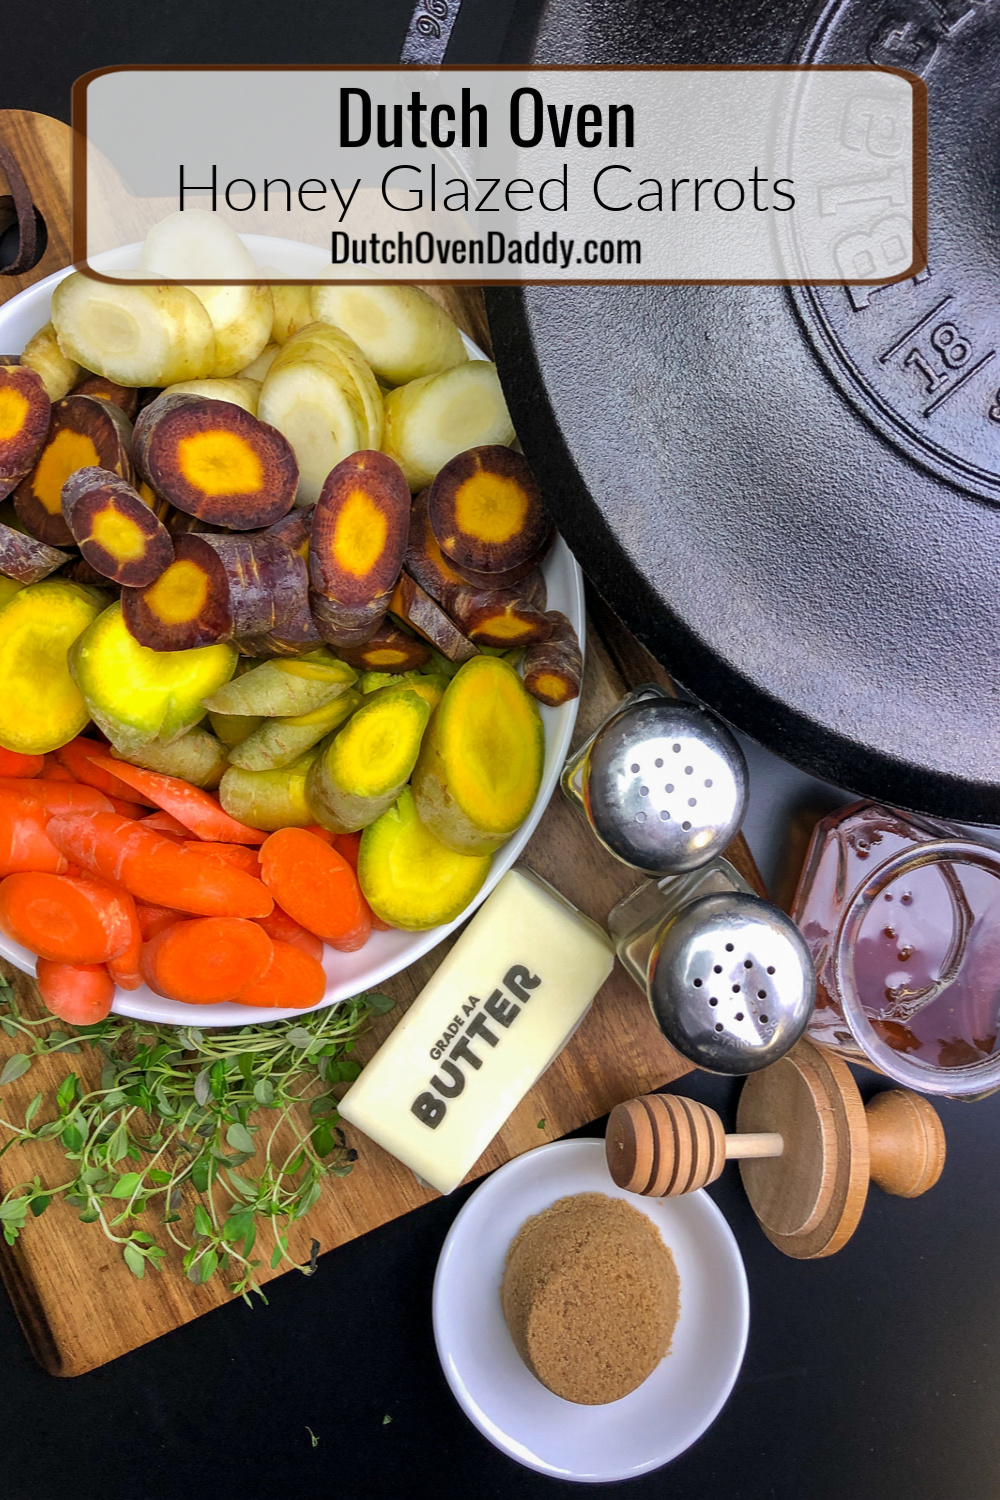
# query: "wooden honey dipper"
[[807, 1148]]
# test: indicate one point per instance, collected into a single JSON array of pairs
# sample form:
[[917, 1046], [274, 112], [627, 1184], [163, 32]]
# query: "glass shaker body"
[[571, 779], [902, 916], [639, 918]]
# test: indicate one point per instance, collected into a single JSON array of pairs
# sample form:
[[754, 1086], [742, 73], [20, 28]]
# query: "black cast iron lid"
[[800, 520]]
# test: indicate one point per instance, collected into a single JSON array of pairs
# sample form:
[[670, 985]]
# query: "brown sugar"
[[591, 1297]]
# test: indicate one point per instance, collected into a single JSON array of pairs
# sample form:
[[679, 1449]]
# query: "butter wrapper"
[[503, 1004]]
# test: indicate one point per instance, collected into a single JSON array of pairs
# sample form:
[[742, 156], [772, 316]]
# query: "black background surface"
[[875, 1373]]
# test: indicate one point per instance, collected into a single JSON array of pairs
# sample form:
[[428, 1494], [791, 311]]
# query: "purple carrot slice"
[[124, 396], [553, 670], [425, 562], [115, 530], [504, 617], [486, 510], [417, 609], [85, 432], [187, 606], [389, 650], [25, 559], [213, 460], [357, 544], [24, 421]]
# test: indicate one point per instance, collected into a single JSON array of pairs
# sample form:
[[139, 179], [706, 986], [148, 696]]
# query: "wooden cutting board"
[[77, 1302]]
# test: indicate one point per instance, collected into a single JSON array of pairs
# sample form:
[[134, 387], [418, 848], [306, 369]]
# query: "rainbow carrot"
[[151, 866], [196, 809], [80, 994]]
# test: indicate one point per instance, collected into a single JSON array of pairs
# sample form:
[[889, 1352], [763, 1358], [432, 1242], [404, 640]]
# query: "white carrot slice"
[[43, 355], [402, 332], [431, 420], [197, 246], [238, 389], [259, 367], [319, 413], [132, 334], [241, 317]]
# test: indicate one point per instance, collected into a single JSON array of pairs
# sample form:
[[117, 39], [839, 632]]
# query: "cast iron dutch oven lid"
[[798, 515]]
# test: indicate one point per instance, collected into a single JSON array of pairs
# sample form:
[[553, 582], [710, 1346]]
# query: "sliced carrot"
[[196, 809], [163, 823], [280, 928], [322, 833], [227, 854], [206, 961], [153, 919], [294, 981], [54, 770], [24, 843], [125, 808], [80, 994], [349, 845], [78, 757], [66, 920], [150, 866], [13, 763], [58, 797], [124, 967], [316, 887]]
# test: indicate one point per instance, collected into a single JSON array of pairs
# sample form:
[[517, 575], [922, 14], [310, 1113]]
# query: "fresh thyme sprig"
[[178, 1114]]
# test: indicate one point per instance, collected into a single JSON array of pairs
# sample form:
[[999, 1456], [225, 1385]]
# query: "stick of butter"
[[503, 1004]]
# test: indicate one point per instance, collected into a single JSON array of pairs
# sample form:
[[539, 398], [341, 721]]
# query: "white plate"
[[496, 1390], [385, 953]]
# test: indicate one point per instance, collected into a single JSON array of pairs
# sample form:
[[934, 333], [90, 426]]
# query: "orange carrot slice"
[[124, 967], [78, 757], [349, 845], [13, 763], [163, 823], [150, 866], [316, 887], [196, 809], [58, 797], [54, 770], [206, 961], [280, 928], [294, 981], [126, 809], [153, 919], [65, 920], [80, 994], [227, 854], [24, 843], [322, 833]]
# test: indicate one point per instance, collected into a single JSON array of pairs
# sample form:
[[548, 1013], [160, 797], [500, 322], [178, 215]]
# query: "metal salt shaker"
[[728, 976]]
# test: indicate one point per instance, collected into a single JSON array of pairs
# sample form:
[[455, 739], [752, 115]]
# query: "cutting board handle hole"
[[10, 237]]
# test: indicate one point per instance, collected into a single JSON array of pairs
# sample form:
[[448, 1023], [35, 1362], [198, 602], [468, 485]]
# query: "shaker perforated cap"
[[732, 983], [665, 786]]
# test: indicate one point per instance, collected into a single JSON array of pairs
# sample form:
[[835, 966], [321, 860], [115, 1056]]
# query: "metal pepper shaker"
[[728, 976], [663, 784]]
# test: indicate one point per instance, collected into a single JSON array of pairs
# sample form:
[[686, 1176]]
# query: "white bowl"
[[385, 953], [497, 1391]]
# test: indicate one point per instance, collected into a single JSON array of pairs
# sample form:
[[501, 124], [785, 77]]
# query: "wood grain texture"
[[77, 1302], [905, 1142], [810, 1199]]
